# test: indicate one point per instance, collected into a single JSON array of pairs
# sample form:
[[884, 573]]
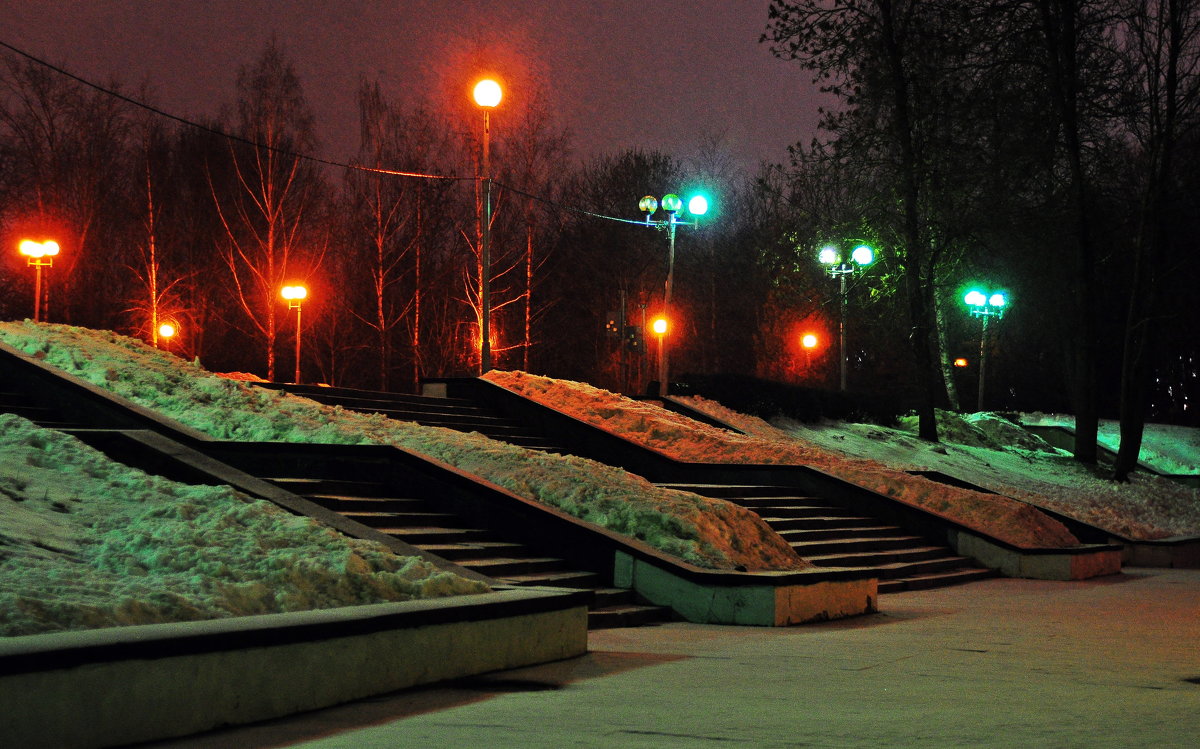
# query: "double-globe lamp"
[[860, 257]]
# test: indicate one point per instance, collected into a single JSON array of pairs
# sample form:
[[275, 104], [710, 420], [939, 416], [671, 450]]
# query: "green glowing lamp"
[[671, 203], [829, 255], [975, 298], [698, 205], [863, 255]]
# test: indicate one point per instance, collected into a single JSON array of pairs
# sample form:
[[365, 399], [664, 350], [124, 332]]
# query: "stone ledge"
[[760, 599], [1075, 563], [128, 684]]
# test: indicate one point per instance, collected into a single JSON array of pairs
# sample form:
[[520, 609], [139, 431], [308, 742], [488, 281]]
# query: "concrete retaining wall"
[[771, 599], [128, 684], [1037, 564]]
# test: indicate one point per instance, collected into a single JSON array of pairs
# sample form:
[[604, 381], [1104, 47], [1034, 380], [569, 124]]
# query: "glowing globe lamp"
[[487, 93], [997, 300], [829, 256], [671, 203], [698, 205], [975, 298], [293, 293], [166, 330], [659, 325], [863, 255], [648, 204], [809, 341]]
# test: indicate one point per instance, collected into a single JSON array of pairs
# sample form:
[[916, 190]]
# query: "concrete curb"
[[127, 684], [766, 600]]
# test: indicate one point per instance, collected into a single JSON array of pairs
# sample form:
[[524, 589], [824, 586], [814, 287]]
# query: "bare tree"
[[265, 213]]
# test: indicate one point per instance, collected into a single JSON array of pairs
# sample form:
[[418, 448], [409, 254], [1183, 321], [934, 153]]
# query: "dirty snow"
[[706, 532], [86, 542]]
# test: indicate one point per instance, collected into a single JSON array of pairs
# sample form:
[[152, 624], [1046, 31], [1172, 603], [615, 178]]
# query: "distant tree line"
[[1047, 147]]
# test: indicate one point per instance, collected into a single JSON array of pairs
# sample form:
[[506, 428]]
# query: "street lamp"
[[985, 307], [672, 206], [487, 95], [166, 332], [294, 296], [659, 327], [41, 255], [860, 257]]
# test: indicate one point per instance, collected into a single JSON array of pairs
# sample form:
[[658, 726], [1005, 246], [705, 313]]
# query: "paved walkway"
[[993, 663]]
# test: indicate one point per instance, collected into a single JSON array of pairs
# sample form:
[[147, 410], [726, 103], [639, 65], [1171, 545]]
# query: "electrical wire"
[[221, 133], [315, 159]]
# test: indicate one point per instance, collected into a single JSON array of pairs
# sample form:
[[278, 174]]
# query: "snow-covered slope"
[[707, 532], [86, 542], [685, 439]]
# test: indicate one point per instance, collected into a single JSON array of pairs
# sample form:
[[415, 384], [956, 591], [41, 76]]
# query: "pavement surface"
[[1108, 662]]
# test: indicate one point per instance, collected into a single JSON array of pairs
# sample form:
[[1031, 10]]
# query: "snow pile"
[[1165, 448], [684, 439], [983, 450], [706, 532], [86, 542]]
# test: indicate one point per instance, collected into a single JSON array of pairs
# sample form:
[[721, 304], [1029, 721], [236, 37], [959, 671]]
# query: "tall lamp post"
[[294, 296], [985, 307], [860, 257], [40, 255], [487, 95], [672, 206]]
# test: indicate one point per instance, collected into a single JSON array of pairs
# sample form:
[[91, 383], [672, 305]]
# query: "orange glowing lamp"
[[487, 93], [659, 325], [960, 362], [809, 341]]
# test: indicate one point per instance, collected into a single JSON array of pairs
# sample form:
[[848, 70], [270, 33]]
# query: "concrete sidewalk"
[[1107, 662]]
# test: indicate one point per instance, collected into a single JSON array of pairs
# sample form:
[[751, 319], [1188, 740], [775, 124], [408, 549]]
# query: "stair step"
[[376, 519], [459, 552], [809, 548], [935, 580], [349, 503], [504, 567], [835, 532], [634, 615], [876, 558], [420, 536], [583, 580], [326, 486], [817, 522]]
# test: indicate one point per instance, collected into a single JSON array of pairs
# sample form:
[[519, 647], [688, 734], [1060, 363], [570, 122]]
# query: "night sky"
[[621, 73]]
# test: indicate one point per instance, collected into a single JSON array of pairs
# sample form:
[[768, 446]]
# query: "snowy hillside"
[[986, 450], [707, 532], [86, 542]]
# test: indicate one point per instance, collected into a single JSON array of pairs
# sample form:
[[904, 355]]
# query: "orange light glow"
[[487, 93], [659, 325], [33, 250], [293, 293], [960, 362], [167, 330], [809, 341]]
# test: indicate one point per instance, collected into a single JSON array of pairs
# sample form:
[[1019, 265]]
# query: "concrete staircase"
[[831, 536], [451, 413], [418, 521]]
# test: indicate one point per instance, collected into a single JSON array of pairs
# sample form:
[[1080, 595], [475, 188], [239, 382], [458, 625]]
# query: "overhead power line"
[[292, 154]]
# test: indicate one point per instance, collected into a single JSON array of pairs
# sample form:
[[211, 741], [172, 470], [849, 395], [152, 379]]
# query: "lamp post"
[[41, 255], [487, 95], [860, 257], [294, 296], [672, 206], [985, 307], [660, 327], [808, 342]]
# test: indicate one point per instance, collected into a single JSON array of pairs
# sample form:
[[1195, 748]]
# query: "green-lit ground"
[[996, 663]]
